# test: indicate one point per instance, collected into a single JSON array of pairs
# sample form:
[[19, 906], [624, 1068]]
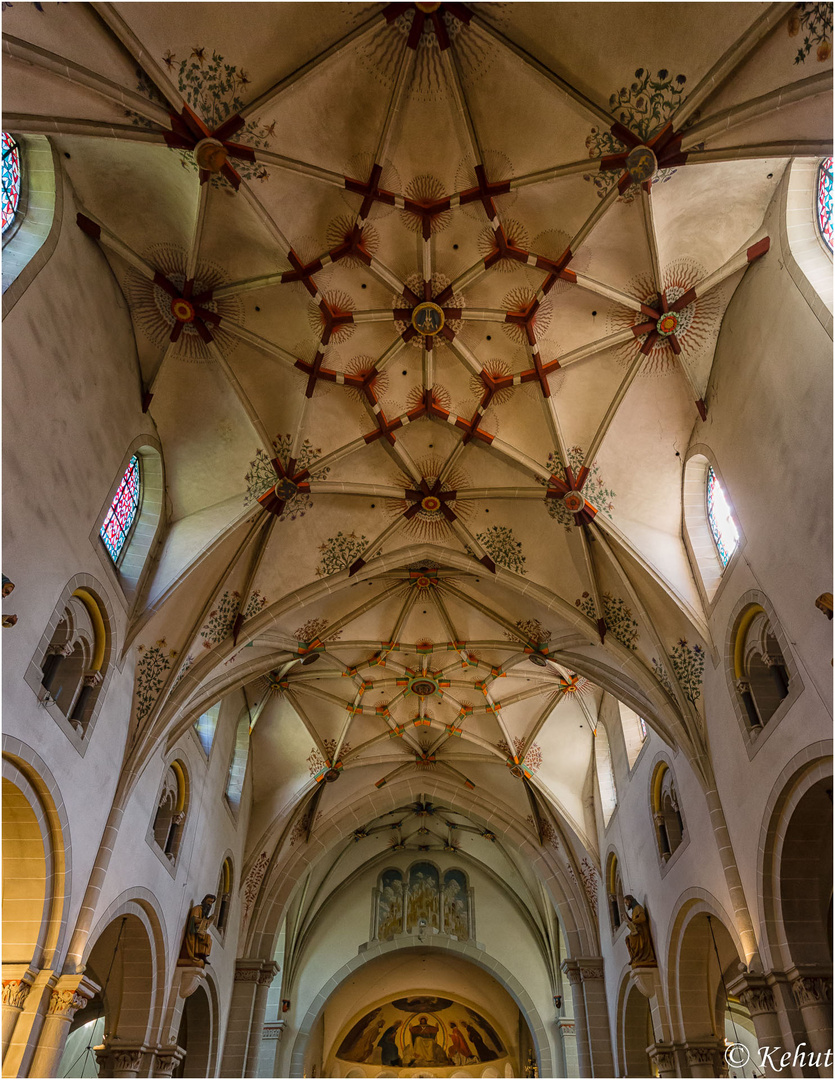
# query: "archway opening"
[[195, 1035], [637, 1034], [25, 877], [806, 878]]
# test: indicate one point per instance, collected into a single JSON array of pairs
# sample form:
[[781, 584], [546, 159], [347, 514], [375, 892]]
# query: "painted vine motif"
[[620, 621], [815, 21], [261, 476], [257, 602], [549, 833], [644, 107], [253, 881], [153, 663], [189, 660], [660, 672], [594, 490], [338, 552], [315, 761], [689, 665], [503, 547], [532, 630], [588, 879], [221, 619], [213, 89], [532, 759]]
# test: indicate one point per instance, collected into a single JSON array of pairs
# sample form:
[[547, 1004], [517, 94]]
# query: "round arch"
[[29, 775], [634, 1031], [688, 937], [481, 960], [795, 783], [279, 883]]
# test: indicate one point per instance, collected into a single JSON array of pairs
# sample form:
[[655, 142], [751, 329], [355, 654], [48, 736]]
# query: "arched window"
[[614, 891], [172, 805], [634, 732], [760, 671], [666, 812], [74, 664], [605, 773], [120, 518], [824, 201], [224, 895], [722, 525], [237, 766], [205, 727], [11, 179]]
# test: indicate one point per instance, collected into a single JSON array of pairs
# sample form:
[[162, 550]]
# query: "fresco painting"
[[422, 1032]]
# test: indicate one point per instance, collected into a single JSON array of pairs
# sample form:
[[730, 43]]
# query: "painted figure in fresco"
[[639, 939], [197, 944], [481, 1047], [391, 910], [365, 1043], [455, 911], [460, 1053], [349, 1043], [427, 1049], [388, 1045]]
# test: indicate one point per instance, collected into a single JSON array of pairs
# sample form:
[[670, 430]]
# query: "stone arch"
[[279, 883], [198, 1032], [474, 956], [32, 238], [789, 837], [804, 252], [131, 571], [139, 974], [708, 571], [238, 763], [691, 968], [634, 1030], [88, 595], [665, 810], [42, 807], [605, 772]]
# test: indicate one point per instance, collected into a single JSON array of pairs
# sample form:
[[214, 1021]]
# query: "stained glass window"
[[824, 201], [122, 513], [11, 179], [642, 725], [721, 520]]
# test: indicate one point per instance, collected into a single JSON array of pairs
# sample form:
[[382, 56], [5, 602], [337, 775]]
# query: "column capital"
[[591, 967], [571, 970], [567, 1026], [812, 990], [15, 992], [662, 1057], [166, 1061], [754, 992], [70, 995], [274, 1029], [700, 1055]]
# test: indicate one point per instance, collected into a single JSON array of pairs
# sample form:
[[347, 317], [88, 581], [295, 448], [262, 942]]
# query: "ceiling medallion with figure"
[[428, 319]]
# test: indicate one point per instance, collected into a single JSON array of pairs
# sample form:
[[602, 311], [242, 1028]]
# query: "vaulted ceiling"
[[425, 300]]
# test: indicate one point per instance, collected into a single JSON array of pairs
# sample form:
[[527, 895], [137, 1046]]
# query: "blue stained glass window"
[[643, 726], [120, 517], [11, 179], [722, 525], [825, 201]]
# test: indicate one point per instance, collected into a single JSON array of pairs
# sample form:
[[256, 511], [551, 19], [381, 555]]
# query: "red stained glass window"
[[122, 513], [11, 179], [825, 201]]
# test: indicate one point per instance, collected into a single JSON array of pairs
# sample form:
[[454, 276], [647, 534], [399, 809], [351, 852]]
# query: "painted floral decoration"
[[815, 21], [261, 476], [503, 548], [338, 552], [532, 759], [594, 489], [620, 621], [154, 661], [644, 107]]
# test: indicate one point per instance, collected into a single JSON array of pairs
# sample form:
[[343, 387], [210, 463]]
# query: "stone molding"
[[273, 1030]]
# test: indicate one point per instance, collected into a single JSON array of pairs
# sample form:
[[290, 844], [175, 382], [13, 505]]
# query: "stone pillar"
[[597, 1016], [663, 837], [568, 1038], [744, 689], [67, 998], [703, 1060], [571, 968], [663, 1059], [240, 1051], [780, 676], [813, 994], [15, 992], [758, 998], [268, 972], [121, 1062]]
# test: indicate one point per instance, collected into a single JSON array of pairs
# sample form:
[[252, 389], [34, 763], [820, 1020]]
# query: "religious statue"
[[197, 944], [639, 939]]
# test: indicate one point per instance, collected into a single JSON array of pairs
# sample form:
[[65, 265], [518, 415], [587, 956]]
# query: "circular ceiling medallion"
[[310, 659], [430, 503], [573, 501], [331, 775], [667, 324], [423, 686], [540, 661], [211, 155], [641, 164], [428, 319], [182, 310], [423, 582], [286, 489]]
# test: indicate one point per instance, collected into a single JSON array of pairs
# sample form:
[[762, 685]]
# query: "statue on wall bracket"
[[639, 938], [196, 943]]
